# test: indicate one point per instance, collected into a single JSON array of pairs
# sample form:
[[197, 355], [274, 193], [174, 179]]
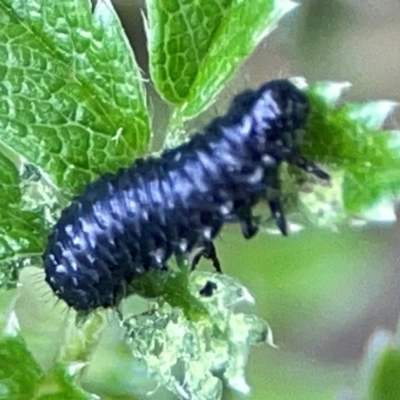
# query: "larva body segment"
[[127, 223]]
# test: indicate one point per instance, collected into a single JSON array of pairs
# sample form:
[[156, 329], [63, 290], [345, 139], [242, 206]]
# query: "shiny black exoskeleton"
[[127, 223]]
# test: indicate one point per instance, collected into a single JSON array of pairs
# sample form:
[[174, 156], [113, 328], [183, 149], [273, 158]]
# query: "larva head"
[[280, 113]]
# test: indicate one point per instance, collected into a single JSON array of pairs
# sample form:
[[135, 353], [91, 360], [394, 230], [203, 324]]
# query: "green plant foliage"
[[386, 382], [382, 367], [60, 385], [196, 46], [349, 138], [9, 178], [209, 350], [19, 373], [22, 231], [171, 287], [22, 378], [72, 104], [72, 100]]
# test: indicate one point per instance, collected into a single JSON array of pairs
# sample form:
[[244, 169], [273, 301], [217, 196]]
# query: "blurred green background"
[[323, 293]]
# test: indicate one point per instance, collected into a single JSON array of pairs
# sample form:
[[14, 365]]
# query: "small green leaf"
[[193, 358], [196, 46], [386, 382], [348, 138], [19, 373], [177, 294], [71, 96], [381, 367], [171, 287]]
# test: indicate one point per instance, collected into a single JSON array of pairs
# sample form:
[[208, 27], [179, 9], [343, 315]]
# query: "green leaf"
[[19, 373], [196, 46], [81, 337], [381, 367], [386, 381], [348, 138], [172, 287], [67, 394], [60, 385], [71, 95], [9, 182], [207, 351], [22, 378], [22, 231]]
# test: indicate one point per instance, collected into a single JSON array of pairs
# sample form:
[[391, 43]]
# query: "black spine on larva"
[[126, 223]]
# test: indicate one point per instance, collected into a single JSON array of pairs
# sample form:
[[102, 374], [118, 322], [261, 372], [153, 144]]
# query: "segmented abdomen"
[[126, 223]]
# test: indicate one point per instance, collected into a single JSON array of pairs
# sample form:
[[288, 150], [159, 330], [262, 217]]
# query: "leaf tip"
[[12, 327], [373, 113], [288, 5], [331, 92]]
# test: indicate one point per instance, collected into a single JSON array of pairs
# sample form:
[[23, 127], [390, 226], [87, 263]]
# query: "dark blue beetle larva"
[[127, 223]]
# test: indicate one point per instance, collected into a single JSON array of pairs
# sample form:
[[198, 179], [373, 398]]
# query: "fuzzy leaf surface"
[[71, 97], [195, 47]]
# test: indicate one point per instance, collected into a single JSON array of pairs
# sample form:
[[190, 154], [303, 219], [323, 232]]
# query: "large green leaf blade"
[[195, 47], [243, 29], [181, 33], [69, 85]]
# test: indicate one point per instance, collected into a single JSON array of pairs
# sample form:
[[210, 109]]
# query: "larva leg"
[[196, 259], [275, 206], [247, 222], [210, 253], [311, 168], [273, 197]]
